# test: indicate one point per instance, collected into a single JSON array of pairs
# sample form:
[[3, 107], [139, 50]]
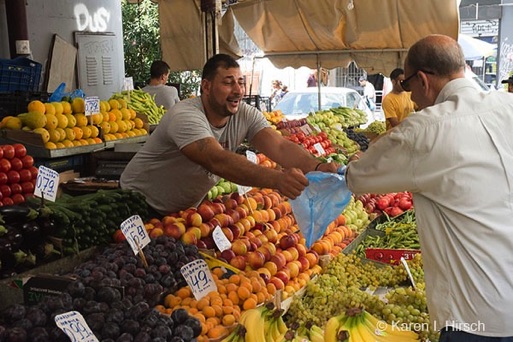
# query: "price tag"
[[306, 129], [128, 83], [319, 149], [241, 189], [252, 157], [317, 128], [74, 325], [220, 239], [92, 105], [199, 278], [47, 183], [135, 233]]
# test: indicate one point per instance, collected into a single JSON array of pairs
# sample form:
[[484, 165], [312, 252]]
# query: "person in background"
[[194, 146], [275, 93], [284, 90], [509, 81], [165, 95], [397, 105], [369, 93], [456, 156], [312, 79]]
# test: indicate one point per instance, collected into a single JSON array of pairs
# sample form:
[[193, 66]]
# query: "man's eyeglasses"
[[405, 84]]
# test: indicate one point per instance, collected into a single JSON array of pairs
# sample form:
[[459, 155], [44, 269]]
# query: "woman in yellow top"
[[397, 104]]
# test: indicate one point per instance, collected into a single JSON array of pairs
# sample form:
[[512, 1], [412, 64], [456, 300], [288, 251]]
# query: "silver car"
[[297, 104]]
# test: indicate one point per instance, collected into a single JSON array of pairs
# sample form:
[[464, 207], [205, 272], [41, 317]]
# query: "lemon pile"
[[64, 124]]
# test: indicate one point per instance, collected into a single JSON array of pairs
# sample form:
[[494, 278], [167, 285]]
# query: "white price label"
[[252, 157], [317, 128], [306, 129], [128, 83], [220, 239], [47, 183], [135, 233], [199, 278], [241, 189], [74, 325], [319, 149], [92, 105]]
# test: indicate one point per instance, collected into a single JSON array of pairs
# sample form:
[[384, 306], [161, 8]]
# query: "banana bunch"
[[262, 324], [310, 332], [358, 325], [142, 103]]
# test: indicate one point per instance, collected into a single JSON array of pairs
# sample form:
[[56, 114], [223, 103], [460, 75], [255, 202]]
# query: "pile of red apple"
[[17, 174], [292, 126], [392, 204], [309, 142]]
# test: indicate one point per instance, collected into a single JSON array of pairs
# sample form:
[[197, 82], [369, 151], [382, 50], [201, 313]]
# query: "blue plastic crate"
[[19, 74]]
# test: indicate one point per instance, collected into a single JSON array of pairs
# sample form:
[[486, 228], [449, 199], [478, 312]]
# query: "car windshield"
[[304, 103]]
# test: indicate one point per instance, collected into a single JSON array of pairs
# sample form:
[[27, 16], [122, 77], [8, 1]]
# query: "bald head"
[[437, 53], [432, 62]]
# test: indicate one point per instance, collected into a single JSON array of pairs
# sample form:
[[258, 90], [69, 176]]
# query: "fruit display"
[[319, 145], [349, 282], [358, 137], [110, 314], [141, 102], [356, 325], [376, 128], [356, 218], [17, 174], [288, 127], [274, 118], [337, 118]]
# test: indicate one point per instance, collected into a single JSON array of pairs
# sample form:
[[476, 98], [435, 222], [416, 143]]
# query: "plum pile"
[[360, 138], [116, 294]]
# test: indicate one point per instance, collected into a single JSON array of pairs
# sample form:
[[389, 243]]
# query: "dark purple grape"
[[36, 316], [138, 310], [164, 268], [142, 337], [89, 293], [79, 303], [39, 334], [115, 315], [14, 313], [149, 278], [184, 332], [111, 330], [151, 319], [162, 331], [108, 295], [24, 324], [16, 334], [57, 335], [95, 321], [125, 337], [194, 324], [140, 272], [130, 268], [179, 316], [76, 289], [130, 326], [92, 306], [176, 339]]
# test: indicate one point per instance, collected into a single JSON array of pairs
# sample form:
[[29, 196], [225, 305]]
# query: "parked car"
[[297, 104]]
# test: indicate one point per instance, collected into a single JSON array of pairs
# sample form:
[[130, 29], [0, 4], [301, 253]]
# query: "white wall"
[[63, 17]]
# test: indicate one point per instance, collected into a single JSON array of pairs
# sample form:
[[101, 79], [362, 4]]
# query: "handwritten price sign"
[[92, 105], [199, 278], [47, 183], [135, 233], [74, 325]]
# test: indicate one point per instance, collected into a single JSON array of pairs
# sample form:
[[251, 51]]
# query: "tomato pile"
[[309, 142], [392, 204], [17, 174]]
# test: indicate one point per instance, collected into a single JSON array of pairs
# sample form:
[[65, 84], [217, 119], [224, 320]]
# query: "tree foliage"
[[141, 40]]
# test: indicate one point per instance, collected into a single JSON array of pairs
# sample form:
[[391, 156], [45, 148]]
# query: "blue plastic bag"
[[59, 93], [320, 203]]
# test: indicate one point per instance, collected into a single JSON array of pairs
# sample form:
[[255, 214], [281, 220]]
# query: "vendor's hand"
[[291, 183], [355, 156]]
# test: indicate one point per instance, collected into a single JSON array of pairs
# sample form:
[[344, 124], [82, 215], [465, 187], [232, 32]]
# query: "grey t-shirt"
[[169, 180], [166, 96]]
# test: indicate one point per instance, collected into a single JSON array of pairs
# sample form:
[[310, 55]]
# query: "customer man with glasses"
[[456, 156]]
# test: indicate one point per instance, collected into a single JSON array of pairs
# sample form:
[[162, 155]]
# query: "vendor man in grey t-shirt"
[[194, 143], [165, 95]]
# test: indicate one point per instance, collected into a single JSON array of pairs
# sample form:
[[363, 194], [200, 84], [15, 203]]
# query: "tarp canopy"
[[475, 48], [327, 33]]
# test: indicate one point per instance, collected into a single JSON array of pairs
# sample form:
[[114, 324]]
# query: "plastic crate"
[[15, 103], [19, 74]]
